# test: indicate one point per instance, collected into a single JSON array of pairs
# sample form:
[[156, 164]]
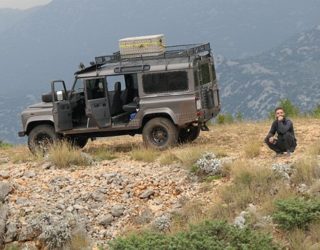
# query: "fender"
[[39, 119], [154, 112]]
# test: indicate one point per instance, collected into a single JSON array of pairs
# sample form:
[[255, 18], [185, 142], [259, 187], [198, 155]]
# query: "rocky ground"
[[45, 205]]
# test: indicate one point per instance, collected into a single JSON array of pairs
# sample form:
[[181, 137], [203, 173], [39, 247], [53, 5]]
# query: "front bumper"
[[21, 134]]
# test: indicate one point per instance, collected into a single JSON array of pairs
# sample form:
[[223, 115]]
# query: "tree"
[[289, 108]]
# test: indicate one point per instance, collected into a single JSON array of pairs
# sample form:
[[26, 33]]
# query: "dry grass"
[[63, 155], [168, 158], [307, 240], [80, 241], [189, 155], [252, 148], [101, 153], [307, 170], [21, 154], [314, 149], [144, 154], [191, 213], [251, 184]]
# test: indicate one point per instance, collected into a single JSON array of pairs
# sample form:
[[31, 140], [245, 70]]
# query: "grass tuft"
[[64, 155], [144, 154], [101, 153], [169, 158], [307, 171], [252, 148]]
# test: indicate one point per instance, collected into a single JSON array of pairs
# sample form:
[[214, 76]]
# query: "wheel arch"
[[165, 113], [32, 124], [149, 117]]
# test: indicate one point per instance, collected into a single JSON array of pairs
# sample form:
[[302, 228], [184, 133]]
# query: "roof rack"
[[171, 52]]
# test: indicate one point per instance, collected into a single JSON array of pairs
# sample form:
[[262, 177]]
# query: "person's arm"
[[284, 126], [272, 131]]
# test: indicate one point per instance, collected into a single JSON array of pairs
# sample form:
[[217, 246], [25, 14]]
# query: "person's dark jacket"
[[281, 128]]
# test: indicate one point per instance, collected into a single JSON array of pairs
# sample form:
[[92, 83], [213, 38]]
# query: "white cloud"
[[22, 4]]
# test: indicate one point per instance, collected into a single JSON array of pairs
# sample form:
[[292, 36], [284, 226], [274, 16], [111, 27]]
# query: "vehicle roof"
[[175, 57]]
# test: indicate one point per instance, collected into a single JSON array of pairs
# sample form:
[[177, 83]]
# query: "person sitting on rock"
[[281, 138]]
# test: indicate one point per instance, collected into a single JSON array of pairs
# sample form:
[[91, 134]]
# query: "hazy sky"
[[21, 4]]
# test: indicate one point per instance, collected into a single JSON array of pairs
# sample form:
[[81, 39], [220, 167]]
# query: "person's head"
[[279, 111]]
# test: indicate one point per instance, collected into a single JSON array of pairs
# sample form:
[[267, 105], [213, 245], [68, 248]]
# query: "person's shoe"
[[279, 154], [289, 153]]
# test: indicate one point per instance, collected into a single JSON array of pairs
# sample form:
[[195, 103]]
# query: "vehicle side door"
[[97, 102], [62, 111]]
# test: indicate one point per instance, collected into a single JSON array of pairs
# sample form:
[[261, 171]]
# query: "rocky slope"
[[44, 205]]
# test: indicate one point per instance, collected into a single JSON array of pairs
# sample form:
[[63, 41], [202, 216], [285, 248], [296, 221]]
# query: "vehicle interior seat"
[[116, 104]]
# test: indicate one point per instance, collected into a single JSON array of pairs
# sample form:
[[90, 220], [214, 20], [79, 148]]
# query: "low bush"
[[316, 112], [296, 212], [208, 235], [224, 119], [5, 145]]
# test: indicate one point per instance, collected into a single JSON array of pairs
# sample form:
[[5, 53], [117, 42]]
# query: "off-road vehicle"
[[167, 97]]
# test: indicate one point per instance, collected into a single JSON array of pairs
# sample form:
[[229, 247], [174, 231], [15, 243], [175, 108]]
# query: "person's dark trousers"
[[285, 143]]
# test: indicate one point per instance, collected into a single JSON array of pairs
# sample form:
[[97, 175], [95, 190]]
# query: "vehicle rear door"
[[97, 102], [62, 112]]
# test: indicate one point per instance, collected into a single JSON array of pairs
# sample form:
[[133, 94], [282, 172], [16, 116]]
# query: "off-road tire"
[[160, 133], [41, 137], [78, 141], [188, 134]]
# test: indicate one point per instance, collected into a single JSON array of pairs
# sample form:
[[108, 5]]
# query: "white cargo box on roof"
[[142, 45]]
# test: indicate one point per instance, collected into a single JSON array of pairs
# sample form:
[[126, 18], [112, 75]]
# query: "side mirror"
[[60, 95]]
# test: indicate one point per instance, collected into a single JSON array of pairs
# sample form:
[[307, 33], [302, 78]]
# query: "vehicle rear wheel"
[[41, 138], [160, 133], [189, 134], [78, 141]]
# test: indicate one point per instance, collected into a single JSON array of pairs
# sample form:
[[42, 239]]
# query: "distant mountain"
[[49, 42], [254, 85]]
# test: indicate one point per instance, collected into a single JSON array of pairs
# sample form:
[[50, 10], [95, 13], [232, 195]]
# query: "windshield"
[[78, 86]]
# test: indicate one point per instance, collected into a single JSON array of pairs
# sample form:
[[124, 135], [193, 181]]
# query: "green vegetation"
[[224, 118], [289, 108], [4, 144], [316, 112], [208, 235], [296, 212]]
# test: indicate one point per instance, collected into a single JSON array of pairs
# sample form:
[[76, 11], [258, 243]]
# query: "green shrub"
[[224, 118], [290, 109], [239, 116], [5, 145], [296, 212], [316, 112], [208, 235]]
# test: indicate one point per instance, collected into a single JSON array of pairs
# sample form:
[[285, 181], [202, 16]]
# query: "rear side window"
[[165, 82], [213, 73], [205, 73]]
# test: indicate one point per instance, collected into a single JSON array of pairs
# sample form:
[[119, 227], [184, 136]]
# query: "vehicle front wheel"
[[160, 133], [41, 138], [189, 134]]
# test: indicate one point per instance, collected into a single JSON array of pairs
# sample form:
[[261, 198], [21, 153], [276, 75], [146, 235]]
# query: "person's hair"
[[278, 108]]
